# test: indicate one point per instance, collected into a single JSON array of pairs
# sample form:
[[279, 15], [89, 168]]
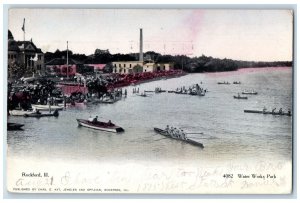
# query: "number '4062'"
[[228, 176]]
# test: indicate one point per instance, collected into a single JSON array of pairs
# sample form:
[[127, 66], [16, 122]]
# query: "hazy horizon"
[[248, 35]]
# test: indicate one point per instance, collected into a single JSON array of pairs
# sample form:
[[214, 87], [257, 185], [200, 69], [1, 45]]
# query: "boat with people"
[[14, 126], [186, 140], [237, 83], [38, 114], [249, 92], [159, 90], [239, 97], [223, 83], [100, 125], [269, 112], [142, 95], [41, 107]]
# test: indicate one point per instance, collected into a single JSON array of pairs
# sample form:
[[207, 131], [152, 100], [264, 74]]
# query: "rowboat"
[[166, 134], [247, 92], [14, 126], [237, 83], [19, 112], [239, 97], [46, 107], [39, 115], [142, 95], [98, 125], [268, 112], [223, 83]]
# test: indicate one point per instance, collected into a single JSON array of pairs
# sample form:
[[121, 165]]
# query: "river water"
[[229, 134]]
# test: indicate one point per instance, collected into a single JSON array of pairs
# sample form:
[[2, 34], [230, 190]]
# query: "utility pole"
[[67, 61]]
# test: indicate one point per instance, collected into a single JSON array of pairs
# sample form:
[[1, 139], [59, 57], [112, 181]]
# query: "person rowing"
[[273, 110], [182, 135], [280, 111], [289, 112], [264, 109], [167, 129], [93, 120]]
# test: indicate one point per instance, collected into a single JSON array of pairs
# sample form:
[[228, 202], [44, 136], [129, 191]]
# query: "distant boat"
[[19, 112], [39, 115], [166, 134], [46, 107], [223, 83], [268, 112], [249, 92], [239, 97], [103, 126], [237, 83], [14, 126], [142, 95]]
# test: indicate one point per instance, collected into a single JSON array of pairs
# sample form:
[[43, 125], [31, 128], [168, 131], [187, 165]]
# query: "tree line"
[[189, 64]]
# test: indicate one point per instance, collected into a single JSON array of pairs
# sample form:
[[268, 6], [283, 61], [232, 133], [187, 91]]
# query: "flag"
[[23, 27]]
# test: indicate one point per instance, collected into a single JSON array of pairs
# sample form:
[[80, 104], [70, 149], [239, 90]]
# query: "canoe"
[[239, 97], [223, 83], [166, 134], [104, 126], [14, 126], [245, 92], [39, 115], [46, 107], [237, 83], [268, 112]]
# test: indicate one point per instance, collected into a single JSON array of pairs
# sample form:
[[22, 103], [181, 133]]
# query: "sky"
[[253, 35]]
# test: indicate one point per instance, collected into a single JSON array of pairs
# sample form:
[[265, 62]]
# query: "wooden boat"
[[247, 92], [239, 97], [142, 95], [237, 83], [14, 126], [46, 107], [104, 126], [268, 112], [165, 133], [39, 115], [160, 91], [223, 83], [19, 112]]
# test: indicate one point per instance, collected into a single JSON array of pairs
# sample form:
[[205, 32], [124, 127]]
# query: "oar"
[[161, 139], [193, 133]]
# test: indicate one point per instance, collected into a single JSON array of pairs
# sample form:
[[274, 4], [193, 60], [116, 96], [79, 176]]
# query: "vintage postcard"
[[149, 101]]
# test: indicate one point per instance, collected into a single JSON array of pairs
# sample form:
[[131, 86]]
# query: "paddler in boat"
[[177, 135], [264, 109], [280, 111], [172, 132], [93, 120], [273, 110], [182, 134], [167, 129], [110, 123]]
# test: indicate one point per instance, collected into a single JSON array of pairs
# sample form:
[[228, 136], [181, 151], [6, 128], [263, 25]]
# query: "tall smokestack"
[[141, 45]]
